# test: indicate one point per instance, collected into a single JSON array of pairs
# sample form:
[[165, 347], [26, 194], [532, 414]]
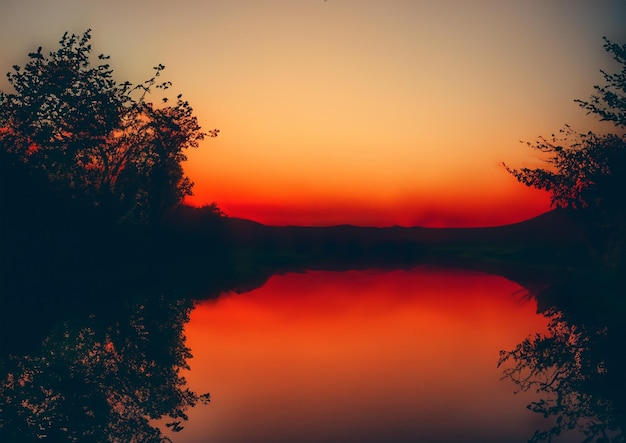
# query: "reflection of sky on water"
[[361, 357]]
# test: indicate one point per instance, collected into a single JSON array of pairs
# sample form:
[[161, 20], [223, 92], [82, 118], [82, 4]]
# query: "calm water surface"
[[375, 356]]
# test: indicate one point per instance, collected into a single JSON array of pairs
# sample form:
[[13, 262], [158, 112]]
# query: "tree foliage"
[[610, 102], [99, 143], [586, 172]]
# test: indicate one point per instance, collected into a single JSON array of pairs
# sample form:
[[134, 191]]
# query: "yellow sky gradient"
[[362, 112]]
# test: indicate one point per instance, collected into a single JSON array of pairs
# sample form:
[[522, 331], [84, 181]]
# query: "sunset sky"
[[352, 111]]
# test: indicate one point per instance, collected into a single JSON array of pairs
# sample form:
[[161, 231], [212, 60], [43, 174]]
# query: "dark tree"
[[587, 172], [100, 144]]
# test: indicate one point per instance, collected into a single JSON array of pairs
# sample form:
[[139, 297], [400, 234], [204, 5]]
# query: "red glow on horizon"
[[514, 207]]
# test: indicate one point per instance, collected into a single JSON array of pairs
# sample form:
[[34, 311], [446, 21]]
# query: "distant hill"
[[552, 221], [542, 245], [551, 229]]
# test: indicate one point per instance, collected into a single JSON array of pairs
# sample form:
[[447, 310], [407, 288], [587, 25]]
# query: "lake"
[[320, 356], [361, 356]]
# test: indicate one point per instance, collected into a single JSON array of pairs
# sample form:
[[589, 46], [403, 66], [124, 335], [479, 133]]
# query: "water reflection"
[[362, 357], [579, 366], [100, 375]]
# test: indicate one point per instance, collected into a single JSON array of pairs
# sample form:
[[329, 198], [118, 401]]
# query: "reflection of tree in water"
[[578, 367], [103, 378]]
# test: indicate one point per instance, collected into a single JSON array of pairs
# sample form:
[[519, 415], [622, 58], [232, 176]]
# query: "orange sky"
[[367, 356], [343, 111]]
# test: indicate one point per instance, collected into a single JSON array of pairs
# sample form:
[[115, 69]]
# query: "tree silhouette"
[[100, 144], [587, 172]]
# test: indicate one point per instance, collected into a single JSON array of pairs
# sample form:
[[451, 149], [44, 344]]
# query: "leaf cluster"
[[585, 170], [610, 101]]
